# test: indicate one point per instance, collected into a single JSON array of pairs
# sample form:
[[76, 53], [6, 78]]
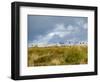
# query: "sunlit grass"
[[63, 55]]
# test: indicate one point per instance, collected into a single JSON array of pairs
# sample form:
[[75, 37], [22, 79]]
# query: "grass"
[[63, 55]]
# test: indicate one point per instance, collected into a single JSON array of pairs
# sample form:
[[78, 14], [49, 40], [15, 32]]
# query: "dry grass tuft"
[[63, 55]]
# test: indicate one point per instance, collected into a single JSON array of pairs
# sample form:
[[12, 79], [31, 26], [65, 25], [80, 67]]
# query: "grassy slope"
[[65, 55]]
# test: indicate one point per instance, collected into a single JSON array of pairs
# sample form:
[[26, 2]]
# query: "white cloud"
[[59, 27], [44, 39], [70, 28], [85, 26], [59, 30], [82, 24], [60, 34]]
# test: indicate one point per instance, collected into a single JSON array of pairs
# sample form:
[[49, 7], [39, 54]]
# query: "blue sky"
[[53, 29]]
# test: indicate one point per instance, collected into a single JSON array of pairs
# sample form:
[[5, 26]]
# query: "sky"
[[54, 29]]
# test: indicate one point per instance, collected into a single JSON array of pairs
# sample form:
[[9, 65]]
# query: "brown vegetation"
[[62, 55]]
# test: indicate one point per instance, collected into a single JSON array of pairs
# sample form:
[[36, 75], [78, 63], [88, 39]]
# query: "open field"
[[58, 55]]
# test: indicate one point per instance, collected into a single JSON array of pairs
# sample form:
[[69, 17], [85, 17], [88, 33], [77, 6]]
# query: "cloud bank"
[[53, 29]]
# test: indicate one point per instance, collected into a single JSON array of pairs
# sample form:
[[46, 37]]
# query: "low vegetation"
[[62, 55]]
